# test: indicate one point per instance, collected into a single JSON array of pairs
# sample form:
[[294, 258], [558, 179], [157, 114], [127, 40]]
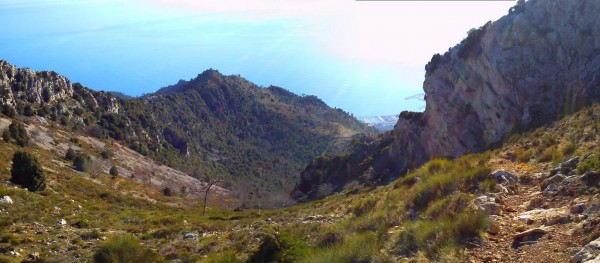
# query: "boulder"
[[6, 199], [190, 236], [591, 179], [556, 219], [556, 179], [578, 208], [570, 164], [550, 189], [527, 236], [535, 203], [589, 253], [504, 177], [488, 204]]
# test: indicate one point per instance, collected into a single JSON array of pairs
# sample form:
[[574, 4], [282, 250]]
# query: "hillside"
[[531, 67], [255, 139], [534, 199]]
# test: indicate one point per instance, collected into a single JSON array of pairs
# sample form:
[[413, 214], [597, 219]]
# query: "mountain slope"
[[530, 67], [256, 139]]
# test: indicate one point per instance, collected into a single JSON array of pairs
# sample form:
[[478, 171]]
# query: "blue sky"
[[363, 57]]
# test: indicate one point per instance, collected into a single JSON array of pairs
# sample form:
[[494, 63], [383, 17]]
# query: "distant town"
[[380, 122]]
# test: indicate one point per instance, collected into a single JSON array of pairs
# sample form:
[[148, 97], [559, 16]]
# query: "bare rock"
[[552, 180], [528, 236], [504, 177], [488, 204], [535, 203], [556, 219], [589, 253], [578, 208], [591, 179], [6, 199], [570, 164], [190, 236]]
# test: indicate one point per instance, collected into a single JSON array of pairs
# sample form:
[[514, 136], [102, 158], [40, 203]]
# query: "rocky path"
[[539, 221]]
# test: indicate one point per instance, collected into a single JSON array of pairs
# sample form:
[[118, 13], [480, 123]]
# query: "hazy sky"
[[365, 57]]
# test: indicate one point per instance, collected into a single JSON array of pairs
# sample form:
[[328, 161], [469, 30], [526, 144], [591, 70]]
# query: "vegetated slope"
[[530, 67], [256, 139], [535, 199]]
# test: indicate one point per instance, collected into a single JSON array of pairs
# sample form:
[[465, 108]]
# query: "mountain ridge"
[[256, 138]]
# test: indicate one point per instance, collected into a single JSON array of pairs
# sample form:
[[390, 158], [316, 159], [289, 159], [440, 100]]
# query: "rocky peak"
[[22, 84], [526, 69], [183, 85]]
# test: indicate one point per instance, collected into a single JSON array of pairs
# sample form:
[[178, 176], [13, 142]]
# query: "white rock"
[[6, 199]]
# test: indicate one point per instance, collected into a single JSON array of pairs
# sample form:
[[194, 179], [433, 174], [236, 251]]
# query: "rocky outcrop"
[[529, 68], [526, 69], [26, 85]]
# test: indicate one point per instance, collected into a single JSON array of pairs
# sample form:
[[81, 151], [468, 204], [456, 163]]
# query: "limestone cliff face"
[[21, 84], [530, 67]]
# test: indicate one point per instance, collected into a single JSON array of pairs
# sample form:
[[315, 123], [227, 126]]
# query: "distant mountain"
[[529, 68], [120, 95], [380, 122], [257, 139]]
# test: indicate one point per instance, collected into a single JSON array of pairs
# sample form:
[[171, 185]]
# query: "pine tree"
[[27, 172], [114, 172], [6, 135]]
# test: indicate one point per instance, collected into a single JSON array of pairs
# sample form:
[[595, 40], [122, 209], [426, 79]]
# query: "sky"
[[365, 57]]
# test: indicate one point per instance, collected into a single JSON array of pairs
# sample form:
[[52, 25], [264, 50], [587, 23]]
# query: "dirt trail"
[[560, 231]]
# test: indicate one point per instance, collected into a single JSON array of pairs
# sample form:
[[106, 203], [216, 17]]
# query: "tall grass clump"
[[354, 248], [125, 249]]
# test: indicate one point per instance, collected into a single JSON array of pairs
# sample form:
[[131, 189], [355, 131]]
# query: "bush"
[[71, 154], [107, 153], [6, 135], [569, 149], [525, 156], [19, 133], [125, 249], [363, 206], [280, 247], [82, 163], [167, 191], [114, 172], [471, 224], [27, 172], [592, 163]]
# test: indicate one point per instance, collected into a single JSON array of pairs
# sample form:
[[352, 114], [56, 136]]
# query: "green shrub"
[[363, 206], [27, 172], [223, 257], [107, 153], [82, 163], [525, 156], [551, 154], [167, 191], [354, 248], [71, 154], [278, 247], [19, 133], [471, 223], [592, 163], [114, 172], [6, 135], [125, 249], [569, 149]]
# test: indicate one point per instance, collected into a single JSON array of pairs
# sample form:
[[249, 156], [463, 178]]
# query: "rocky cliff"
[[532, 66], [18, 84], [526, 69]]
